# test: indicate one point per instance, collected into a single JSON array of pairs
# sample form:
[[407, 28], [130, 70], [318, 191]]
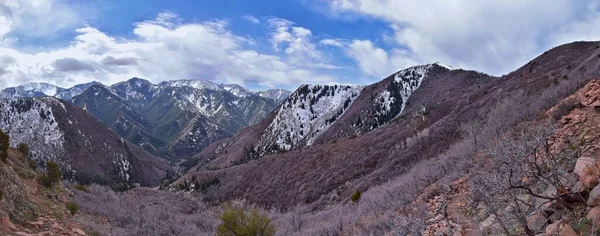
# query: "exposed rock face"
[[85, 148]]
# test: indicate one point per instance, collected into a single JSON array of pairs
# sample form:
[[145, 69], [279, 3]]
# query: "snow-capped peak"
[[276, 94], [44, 90], [391, 102], [236, 90], [197, 84]]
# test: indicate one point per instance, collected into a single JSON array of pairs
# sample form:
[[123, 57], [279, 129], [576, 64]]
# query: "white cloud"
[[332, 42], [295, 41], [376, 61], [166, 49], [36, 18], [251, 19], [491, 36]]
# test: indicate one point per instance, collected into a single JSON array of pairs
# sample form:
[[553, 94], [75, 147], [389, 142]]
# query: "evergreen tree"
[[4, 144]]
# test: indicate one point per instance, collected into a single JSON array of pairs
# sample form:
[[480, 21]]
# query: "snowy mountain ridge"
[[58, 131], [391, 102], [43, 90], [129, 89], [306, 114], [33, 122]]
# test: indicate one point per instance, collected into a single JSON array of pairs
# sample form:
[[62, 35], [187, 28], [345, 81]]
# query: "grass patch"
[[72, 207], [82, 188]]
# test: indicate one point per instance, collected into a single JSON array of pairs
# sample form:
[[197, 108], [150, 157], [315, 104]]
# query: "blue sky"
[[276, 44]]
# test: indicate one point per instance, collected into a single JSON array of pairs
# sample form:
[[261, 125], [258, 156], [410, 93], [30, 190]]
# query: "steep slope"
[[124, 119], [26, 207], [305, 115], [174, 119], [418, 128], [315, 114], [85, 148]]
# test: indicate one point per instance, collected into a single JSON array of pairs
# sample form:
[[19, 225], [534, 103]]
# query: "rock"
[[553, 228], [594, 198], [588, 171], [6, 224], [78, 231], [569, 180], [556, 216], [567, 231], [594, 215], [578, 188], [37, 223], [536, 222], [487, 222]]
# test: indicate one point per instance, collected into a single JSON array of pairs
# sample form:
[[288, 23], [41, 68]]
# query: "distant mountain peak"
[[198, 84]]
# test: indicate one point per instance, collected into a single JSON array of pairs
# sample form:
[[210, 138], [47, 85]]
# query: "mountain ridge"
[[173, 119], [86, 149], [350, 157]]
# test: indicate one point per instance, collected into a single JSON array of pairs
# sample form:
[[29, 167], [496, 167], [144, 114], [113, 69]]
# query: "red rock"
[[588, 171], [6, 224], [594, 198], [78, 231], [536, 222], [553, 228], [594, 215], [567, 231], [37, 223]]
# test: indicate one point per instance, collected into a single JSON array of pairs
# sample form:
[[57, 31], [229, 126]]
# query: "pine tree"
[[4, 144]]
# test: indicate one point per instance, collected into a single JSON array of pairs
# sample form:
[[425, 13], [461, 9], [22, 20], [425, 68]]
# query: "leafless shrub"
[[296, 221], [565, 107], [146, 212]]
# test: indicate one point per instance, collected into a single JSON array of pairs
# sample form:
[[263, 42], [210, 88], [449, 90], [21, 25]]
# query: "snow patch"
[[306, 114], [32, 121]]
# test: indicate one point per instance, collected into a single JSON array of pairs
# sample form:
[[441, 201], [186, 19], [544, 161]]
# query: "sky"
[[264, 44]]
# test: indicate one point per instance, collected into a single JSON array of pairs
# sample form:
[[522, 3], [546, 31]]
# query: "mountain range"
[[173, 119], [428, 150], [327, 141]]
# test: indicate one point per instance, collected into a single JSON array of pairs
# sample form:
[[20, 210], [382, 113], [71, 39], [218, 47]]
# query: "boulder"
[[536, 222], [594, 215], [553, 228], [567, 231], [594, 198], [588, 170], [487, 223]]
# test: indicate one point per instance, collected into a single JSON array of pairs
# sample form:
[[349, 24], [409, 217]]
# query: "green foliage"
[[24, 149], [72, 207], [32, 164], [4, 145], [582, 224], [52, 177], [24, 173], [356, 196], [82, 188], [238, 222]]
